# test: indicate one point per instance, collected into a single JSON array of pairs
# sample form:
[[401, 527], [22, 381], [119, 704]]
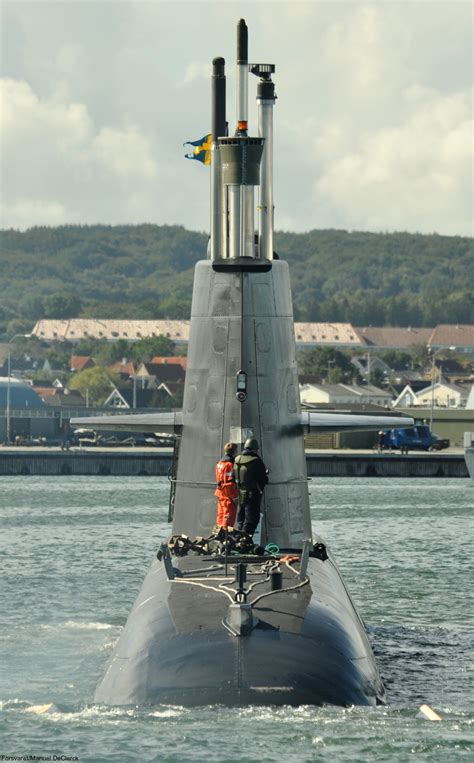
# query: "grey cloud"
[[367, 97]]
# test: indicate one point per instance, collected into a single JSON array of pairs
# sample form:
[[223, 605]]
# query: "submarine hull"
[[308, 646]]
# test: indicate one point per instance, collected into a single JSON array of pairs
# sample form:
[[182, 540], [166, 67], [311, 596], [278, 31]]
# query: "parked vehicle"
[[29, 441], [414, 438]]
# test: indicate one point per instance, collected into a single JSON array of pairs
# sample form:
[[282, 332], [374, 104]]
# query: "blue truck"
[[419, 437]]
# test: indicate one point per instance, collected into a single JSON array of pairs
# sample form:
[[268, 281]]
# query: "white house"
[[406, 399], [442, 395], [344, 394], [470, 399]]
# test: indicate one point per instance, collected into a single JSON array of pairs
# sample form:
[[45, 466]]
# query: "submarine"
[[224, 618]]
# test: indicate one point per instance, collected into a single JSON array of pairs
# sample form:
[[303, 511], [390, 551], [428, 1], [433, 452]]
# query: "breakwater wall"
[[146, 463], [385, 465], [85, 463]]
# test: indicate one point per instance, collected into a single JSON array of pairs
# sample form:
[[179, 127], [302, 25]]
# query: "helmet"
[[251, 444]]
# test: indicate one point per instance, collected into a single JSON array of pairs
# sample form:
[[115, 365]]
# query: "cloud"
[[24, 112], [371, 122], [24, 214], [126, 153], [405, 177], [382, 142], [194, 71], [58, 164]]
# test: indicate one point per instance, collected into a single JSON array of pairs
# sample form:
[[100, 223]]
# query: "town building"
[[342, 335], [442, 395], [459, 336], [129, 398], [124, 368], [158, 373], [21, 415], [392, 338], [438, 395], [22, 394], [80, 363], [78, 329], [344, 394], [180, 360], [327, 334], [367, 365], [21, 363], [61, 397]]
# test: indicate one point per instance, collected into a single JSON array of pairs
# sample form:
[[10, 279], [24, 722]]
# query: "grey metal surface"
[[169, 423], [248, 227], [242, 92], [469, 457], [315, 421], [172, 422], [241, 156], [242, 321], [242, 72], [234, 193], [308, 647], [218, 241], [272, 407], [266, 211]]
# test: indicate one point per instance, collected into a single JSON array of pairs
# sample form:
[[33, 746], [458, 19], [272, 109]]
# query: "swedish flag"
[[202, 151]]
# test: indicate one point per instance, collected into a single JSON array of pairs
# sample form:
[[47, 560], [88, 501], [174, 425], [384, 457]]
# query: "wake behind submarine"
[[219, 619]]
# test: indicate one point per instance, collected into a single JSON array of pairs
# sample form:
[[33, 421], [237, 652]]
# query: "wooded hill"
[[146, 271]]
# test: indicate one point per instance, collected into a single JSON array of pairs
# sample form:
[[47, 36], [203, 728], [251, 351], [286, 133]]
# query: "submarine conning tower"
[[241, 377]]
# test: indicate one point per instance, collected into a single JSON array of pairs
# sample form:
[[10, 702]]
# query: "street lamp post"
[[433, 356], [330, 363], [8, 411]]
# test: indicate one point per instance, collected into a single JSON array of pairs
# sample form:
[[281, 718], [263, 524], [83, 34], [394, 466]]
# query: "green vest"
[[248, 472]]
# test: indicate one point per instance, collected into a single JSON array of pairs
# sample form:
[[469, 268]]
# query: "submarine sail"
[[220, 619]]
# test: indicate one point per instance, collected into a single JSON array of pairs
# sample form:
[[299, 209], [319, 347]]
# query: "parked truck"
[[415, 438]]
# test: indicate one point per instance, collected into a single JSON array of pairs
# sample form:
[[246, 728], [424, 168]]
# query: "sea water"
[[74, 552]]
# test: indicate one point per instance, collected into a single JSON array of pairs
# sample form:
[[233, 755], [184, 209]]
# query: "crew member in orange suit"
[[227, 491]]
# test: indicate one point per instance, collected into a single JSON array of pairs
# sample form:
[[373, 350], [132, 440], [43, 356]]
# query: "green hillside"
[[146, 271]]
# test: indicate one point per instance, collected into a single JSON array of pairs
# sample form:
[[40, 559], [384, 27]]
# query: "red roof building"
[[125, 369], [460, 336], [61, 397], [161, 372], [393, 338], [180, 360], [81, 362]]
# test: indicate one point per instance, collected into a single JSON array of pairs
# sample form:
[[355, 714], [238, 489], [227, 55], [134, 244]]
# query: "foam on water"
[[75, 625]]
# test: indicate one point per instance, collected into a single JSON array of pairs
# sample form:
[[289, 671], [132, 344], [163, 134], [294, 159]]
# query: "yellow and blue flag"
[[202, 151]]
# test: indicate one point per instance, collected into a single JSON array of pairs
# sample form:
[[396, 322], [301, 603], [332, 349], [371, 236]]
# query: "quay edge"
[[157, 464]]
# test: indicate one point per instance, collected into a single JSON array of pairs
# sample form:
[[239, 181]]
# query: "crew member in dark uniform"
[[251, 477], [381, 441]]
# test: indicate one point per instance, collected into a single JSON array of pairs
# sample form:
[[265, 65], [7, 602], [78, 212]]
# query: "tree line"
[[146, 272]]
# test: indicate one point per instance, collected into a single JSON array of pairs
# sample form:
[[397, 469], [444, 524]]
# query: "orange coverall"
[[226, 492]]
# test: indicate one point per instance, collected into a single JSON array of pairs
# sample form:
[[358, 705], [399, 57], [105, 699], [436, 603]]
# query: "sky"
[[373, 122]]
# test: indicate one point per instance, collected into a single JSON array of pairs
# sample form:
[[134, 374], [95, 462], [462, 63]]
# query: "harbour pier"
[[139, 462]]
